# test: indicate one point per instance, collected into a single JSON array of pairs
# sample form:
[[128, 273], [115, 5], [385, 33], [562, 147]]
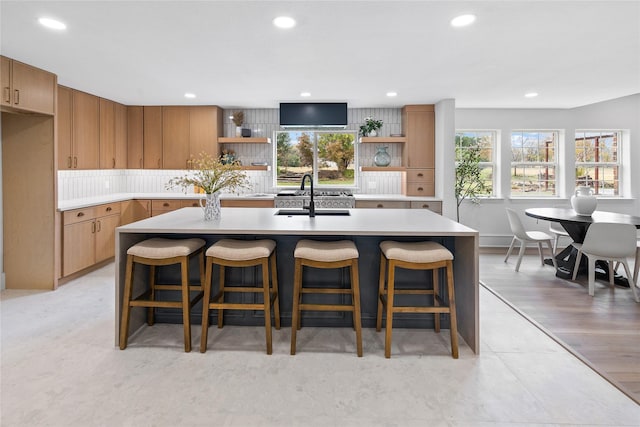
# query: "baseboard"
[[531, 250]]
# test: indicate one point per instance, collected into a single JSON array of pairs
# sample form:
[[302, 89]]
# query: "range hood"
[[313, 115]]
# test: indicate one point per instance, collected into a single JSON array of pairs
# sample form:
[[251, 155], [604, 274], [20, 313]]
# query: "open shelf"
[[383, 168], [382, 139], [240, 140], [255, 168]]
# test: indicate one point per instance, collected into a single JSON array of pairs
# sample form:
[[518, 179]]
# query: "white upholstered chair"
[[523, 236], [611, 242]]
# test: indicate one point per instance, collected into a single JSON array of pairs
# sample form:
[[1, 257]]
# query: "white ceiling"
[[228, 53]]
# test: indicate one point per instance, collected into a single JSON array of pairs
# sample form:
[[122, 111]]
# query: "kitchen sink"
[[319, 212]]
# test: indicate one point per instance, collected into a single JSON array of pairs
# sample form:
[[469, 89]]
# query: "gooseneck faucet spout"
[[311, 207]]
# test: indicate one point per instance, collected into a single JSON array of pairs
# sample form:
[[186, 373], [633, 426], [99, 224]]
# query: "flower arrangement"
[[212, 175], [238, 118], [228, 156], [370, 125]]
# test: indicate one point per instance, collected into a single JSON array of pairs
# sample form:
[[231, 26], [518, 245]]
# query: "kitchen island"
[[366, 227]]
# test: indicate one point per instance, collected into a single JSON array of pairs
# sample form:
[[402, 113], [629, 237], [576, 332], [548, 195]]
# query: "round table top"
[[569, 215]]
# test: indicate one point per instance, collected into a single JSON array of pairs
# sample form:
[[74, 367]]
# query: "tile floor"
[[59, 367]]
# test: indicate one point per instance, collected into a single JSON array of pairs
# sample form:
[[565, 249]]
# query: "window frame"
[[618, 138], [555, 164], [492, 164], [315, 169]]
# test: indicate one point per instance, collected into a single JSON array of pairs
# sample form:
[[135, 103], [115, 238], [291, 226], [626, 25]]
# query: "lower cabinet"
[[134, 210], [433, 205], [88, 236]]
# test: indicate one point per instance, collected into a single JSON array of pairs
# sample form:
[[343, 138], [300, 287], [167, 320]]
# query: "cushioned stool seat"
[[326, 254], [241, 253], [415, 256], [161, 252]]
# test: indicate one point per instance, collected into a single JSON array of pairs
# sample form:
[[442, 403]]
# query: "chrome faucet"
[[311, 207]]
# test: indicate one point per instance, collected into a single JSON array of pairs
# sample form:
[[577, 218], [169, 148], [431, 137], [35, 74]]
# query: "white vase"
[[211, 206], [584, 202], [373, 133], [238, 131]]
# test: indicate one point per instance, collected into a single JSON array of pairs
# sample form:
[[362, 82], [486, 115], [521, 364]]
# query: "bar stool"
[[241, 253], [415, 256], [161, 252], [320, 254]]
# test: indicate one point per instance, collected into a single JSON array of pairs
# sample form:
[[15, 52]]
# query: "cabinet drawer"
[[421, 175], [387, 204], [247, 203], [162, 206], [433, 206], [420, 189], [195, 203], [78, 215], [107, 209]]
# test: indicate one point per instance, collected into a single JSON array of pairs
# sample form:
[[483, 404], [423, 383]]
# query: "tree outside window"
[[533, 163], [598, 161], [483, 144]]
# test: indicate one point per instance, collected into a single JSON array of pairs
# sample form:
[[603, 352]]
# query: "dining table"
[[577, 226]]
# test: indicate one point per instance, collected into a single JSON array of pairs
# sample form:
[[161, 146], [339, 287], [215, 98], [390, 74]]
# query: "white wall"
[[490, 218]]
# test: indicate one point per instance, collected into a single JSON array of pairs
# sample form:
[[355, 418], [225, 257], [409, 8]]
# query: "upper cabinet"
[[205, 126], [152, 137], [121, 126], [107, 134], [418, 126], [135, 137], [27, 88], [78, 129]]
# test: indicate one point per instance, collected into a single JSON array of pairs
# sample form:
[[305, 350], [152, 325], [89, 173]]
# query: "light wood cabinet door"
[[78, 247], [32, 89], [134, 210], [107, 134], [121, 136], [106, 236], [135, 137], [63, 115], [175, 137], [86, 130], [152, 137], [418, 123], [5, 80], [205, 126]]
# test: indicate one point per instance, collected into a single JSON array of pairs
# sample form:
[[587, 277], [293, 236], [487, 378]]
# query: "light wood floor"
[[604, 330]]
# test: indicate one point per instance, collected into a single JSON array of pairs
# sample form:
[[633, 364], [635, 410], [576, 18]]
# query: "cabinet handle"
[[114, 163], [166, 205], [7, 94], [109, 209], [16, 96], [380, 205], [188, 164], [420, 175], [69, 162], [420, 189], [80, 214], [75, 162], [99, 226], [158, 163], [425, 206], [93, 227]]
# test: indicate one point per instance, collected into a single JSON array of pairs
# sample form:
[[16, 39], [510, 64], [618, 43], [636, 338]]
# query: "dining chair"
[[557, 230], [611, 242], [523, 236]]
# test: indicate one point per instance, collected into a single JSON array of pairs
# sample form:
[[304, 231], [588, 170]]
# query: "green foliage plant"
[[469, 183], [370, 124]]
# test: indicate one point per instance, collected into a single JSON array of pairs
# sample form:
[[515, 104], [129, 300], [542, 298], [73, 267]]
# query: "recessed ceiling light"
[[305, 94], [284, 22], [189, 95], [52, 23], [531, 95], [463, 20], [391, 94]]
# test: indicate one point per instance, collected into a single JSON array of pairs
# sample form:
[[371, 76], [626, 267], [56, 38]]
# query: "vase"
[[238, 131], [211, 206], [584, 202], [372, 133], [382, 158]]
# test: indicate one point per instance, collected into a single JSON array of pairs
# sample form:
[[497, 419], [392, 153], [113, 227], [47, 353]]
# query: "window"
[[485, 142], [533, 163], [330, 157], [598, 161]]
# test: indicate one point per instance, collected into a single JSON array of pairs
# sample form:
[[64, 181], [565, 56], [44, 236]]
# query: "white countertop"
[[66, 205], [263, 221]]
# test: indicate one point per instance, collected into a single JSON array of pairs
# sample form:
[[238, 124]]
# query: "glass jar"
[[382, 158]]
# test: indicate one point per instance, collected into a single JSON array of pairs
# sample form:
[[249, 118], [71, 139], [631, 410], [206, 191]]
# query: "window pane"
[[294, 154], [484, 142], [486, 172], [336, 155], [533, 180], [592, 149], [603, 179]]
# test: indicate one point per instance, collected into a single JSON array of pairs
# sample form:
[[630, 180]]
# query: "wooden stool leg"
[[206, 300], [152, 287], [436, 303], [355, 286], [452, 307], [297, 283], [186, 317], [390, 294], [221, 285], [276, 295], [126, 309], [267, 303], [383, 273]]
